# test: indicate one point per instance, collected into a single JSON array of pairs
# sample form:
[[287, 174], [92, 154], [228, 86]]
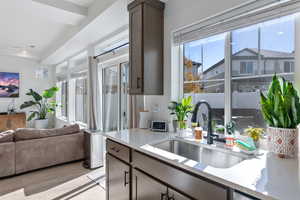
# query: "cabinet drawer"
[[120, 151], [190, 185]]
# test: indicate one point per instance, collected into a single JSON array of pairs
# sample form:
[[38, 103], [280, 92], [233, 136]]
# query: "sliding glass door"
[[110, 98], [115, 97]]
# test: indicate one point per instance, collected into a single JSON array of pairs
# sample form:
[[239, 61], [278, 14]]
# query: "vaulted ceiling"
[[29, 28]]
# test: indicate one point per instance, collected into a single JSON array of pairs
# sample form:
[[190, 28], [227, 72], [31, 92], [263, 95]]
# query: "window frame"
[[247, 67], [228, 78], [108, 61], [75, 101], [66, 103], [291, 65]]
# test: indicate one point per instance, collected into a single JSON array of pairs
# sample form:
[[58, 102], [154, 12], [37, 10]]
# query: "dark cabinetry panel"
[[132, 175], [136, 53], [146, 30], [173, 195], [120, 151], [189, 184], [118, 179], [146, 188]]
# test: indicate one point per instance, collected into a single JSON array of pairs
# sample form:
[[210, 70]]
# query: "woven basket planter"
[[283, 142]]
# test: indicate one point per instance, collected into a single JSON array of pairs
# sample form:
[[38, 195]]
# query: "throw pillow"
[[7, 136]]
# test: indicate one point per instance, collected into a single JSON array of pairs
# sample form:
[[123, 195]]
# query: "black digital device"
[[159, 126]]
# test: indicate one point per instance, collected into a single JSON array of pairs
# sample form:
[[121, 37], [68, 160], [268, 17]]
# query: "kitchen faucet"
[[210, 135]]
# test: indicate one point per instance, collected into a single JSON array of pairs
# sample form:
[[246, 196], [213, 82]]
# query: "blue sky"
[[276, 35]]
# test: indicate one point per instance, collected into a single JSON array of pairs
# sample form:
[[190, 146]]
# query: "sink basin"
[[200, 153]]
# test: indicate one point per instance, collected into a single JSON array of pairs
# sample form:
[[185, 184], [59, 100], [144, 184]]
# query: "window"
[[81, 100], [255, 57], [204, 73], [246, 68], [63, 99], [71, 79], [270, 58], [116, 100], [289, 67], [276, 67]]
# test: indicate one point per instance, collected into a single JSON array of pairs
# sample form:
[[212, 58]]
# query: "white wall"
[[26, 68], [179, 13]]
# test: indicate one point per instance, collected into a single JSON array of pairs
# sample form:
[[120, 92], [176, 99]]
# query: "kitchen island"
[[136, 168]]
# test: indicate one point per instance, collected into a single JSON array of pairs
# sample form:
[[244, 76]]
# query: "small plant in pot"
[[281, 109], [256, 134], [43, 104], [181, 111]]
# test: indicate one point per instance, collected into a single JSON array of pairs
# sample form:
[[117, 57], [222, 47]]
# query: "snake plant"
[[280, 106]]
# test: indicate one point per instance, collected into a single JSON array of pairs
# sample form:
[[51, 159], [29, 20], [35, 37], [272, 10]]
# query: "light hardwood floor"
[[65, 182]]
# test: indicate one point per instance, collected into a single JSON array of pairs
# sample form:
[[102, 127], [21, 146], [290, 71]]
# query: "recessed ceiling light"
[[24, 52]]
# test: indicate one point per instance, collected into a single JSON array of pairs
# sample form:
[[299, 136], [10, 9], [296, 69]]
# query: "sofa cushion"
[[68, 129], [30, 133], [7, 136]]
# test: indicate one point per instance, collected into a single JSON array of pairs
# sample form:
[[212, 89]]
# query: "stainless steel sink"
[[200, 153]]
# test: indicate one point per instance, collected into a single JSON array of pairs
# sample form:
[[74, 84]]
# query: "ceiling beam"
[[65, 5]]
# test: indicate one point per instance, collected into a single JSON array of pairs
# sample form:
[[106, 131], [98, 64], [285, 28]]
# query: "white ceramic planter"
[[41, 124], [283, 142]]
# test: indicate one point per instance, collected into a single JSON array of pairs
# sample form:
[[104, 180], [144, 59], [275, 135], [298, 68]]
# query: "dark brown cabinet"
[[133, 175], [146, 188], [173, 195], [189, 184], [118, 179], [146, 33]]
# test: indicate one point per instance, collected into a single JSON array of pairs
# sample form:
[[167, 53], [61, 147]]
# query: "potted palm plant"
[[42, 104], [181, 111], [281, 111]]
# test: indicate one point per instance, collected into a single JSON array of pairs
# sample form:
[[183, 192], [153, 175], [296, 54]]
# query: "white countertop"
[[264, 177]]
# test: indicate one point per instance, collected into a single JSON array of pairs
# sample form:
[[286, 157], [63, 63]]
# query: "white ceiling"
[[50, 31], [109, 26], [85, 3], [29, 22]]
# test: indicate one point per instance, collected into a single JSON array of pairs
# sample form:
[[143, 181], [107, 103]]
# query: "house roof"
[[266, 54]]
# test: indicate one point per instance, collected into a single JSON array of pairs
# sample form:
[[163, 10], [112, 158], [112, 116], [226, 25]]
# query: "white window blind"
[[61, 72], [79, 68], [250, 13]]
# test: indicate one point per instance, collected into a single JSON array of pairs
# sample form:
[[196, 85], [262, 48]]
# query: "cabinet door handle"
[[126, 182], [138, 84], [115, 150]]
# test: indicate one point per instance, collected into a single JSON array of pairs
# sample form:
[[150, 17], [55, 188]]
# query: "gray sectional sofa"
[[26, 149]]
